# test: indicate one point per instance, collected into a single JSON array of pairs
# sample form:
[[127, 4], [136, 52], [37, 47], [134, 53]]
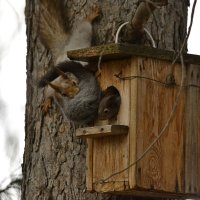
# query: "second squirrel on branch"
[[74, 89]]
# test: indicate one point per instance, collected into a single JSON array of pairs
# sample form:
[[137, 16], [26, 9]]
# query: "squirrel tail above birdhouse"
[[54, 31]]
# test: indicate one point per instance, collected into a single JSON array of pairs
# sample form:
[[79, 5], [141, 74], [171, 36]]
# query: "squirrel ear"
[[61, 73], [55, 87], [106, 110]]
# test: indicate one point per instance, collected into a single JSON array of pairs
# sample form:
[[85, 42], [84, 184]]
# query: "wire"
[[118, 31], [151, 38], [157, 81], [146, 31]]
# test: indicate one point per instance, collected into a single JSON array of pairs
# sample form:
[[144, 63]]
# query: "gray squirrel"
[[74, 88], [109, 104], [82, 105]]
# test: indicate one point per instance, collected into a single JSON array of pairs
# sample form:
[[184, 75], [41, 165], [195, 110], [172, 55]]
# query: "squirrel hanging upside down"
[[74, 89]]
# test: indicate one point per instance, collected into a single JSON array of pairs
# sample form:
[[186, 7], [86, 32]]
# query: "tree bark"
[[54, 159]]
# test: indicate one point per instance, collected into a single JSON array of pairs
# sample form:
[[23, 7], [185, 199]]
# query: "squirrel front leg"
[[94, 13], [47, 104]]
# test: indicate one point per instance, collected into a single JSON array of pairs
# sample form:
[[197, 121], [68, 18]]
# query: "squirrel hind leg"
[[47, 104], [94, 13]]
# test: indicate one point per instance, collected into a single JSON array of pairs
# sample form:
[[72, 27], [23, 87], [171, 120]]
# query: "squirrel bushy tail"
[[53, 26], [54, 29]]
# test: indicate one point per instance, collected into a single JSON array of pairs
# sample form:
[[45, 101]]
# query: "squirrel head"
[[65, 85], [109, 107], [109, 104]]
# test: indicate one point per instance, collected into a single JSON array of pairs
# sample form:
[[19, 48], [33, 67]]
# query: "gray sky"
[[193, 43], [12, 85]]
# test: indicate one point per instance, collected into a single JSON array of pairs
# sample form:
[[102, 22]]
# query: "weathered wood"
[[192, 144], [133, 123], [151, 195], [101, 131], [119, 51], [112, 186], [146, 107], [162, 168], [108, 78], [110, 154], [89, 165]]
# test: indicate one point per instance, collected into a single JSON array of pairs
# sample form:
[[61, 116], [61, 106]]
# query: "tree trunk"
[[54, 159]]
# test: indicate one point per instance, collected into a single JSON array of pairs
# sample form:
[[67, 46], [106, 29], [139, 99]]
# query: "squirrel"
[[66, 84], [109, 104], [74, 88], [82, 107]]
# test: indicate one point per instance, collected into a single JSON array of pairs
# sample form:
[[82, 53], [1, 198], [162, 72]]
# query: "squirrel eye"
[[74, 83], [63, 94], [106, 110]]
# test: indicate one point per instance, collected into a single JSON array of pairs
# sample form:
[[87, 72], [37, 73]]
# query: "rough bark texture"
[[54, 159]]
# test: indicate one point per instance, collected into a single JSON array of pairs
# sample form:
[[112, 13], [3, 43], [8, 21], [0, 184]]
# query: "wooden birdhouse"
[[152, 148]]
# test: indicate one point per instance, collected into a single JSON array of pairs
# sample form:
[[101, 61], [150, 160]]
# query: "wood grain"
[[111, 154], [112, 186], [133, 122], [192, 144], [171, 166], [89, 165], [101, 131], [119, 51], [163, 167]]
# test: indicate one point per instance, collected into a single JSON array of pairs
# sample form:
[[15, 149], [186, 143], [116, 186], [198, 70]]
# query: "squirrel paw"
[[46, 105], [94, 13]]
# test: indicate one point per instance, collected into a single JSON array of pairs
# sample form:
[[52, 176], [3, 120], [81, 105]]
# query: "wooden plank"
[[107, 78], [120, 51], [144, 194], [133, 123], [162, 168], [89, 165], [101, 131], [111, 154], [112, 186], [192, 144]]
